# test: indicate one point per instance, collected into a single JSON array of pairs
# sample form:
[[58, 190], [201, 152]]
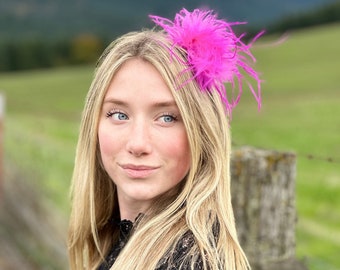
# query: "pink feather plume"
[[215, 54]]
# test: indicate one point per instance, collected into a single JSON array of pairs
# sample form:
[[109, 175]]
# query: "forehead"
[[139, 79]]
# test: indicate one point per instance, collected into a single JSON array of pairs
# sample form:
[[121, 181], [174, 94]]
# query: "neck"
[[129, 215], [131, 209]]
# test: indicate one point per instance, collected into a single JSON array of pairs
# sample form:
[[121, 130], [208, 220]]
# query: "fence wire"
[[309, 156]]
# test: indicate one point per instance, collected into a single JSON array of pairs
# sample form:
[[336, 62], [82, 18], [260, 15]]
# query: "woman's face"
[[143, 141]]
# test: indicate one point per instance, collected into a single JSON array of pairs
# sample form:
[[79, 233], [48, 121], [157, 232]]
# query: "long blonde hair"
[[203, 199]]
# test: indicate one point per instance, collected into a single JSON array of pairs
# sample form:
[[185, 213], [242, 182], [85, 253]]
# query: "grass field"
[[301, 113]]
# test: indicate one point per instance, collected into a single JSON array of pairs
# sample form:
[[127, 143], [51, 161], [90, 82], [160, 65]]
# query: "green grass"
[[300, 113], [41, 125]]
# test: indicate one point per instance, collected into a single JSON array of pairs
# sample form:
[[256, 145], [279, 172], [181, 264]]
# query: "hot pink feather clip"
[[215, 54]]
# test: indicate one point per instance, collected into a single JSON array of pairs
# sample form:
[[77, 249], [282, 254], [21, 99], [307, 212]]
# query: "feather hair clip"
[[215, 54]]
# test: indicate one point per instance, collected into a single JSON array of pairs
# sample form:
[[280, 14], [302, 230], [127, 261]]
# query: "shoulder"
[[182, 257]]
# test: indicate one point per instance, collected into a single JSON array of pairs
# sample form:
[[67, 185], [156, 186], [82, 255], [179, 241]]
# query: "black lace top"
[[173, 261]]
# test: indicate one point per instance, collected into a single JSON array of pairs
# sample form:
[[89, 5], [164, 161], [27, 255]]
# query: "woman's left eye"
[[168, 118]]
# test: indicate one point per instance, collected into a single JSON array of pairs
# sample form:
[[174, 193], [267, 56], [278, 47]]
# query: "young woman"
[[151, 184]]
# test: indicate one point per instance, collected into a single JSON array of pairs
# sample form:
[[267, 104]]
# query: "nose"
[[139, 143]]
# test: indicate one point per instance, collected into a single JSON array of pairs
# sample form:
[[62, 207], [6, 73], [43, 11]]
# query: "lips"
[[138, 171]]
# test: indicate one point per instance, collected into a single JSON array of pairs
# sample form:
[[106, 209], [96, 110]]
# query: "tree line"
[[328, 14], [38, 53], [85, 48]]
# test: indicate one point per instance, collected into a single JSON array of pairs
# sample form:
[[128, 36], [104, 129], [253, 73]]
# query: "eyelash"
[[112, 112]]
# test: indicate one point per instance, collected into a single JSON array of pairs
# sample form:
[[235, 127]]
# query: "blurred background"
[[48, 51]]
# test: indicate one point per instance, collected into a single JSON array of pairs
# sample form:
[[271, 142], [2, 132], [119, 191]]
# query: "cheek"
[[106, 142], [179, 151]]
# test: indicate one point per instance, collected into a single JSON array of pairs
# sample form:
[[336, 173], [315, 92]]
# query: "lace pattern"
[[173, 261]]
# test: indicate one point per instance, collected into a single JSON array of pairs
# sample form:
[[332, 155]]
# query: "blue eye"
[[120, 116], [168, 118], [117, 115]]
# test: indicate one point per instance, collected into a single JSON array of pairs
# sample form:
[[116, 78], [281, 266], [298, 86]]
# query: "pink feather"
[[215, 54]]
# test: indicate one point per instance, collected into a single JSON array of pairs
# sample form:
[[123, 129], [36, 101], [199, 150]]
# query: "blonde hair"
[[203, 200]]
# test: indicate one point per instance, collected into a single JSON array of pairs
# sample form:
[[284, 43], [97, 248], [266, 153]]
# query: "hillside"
[[56, 19]]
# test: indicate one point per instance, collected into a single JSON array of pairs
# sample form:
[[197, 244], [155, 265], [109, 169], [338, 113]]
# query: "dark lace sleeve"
[[174, 260], [125, 227], [177, 259]]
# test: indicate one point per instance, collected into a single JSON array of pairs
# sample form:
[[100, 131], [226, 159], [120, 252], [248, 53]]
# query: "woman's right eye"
[[116, 115]]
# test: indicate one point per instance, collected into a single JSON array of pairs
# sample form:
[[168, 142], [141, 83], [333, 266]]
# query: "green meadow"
[[300, 113]]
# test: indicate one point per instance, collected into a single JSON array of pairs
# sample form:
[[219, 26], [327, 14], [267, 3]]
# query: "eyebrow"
[[157, 104], [115, 101]]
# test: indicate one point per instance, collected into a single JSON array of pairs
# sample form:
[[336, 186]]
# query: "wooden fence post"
[[263, 196]]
